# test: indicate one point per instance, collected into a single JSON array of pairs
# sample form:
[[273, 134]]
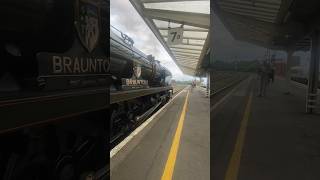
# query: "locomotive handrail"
[[126, 39], [136, 53]]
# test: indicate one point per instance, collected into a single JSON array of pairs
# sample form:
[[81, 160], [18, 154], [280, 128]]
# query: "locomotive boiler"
[[139, 85]]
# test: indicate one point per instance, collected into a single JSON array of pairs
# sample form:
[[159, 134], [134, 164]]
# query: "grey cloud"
[[125, 18]]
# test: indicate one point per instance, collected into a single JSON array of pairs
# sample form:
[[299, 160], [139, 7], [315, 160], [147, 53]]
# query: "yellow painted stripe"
[[168, 170], [234, 163]]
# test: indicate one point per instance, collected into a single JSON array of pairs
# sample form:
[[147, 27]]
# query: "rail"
[[225, 80]]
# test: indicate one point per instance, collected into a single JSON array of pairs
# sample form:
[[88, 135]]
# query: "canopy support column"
[[208, 83], [288, 66], [311, 99]]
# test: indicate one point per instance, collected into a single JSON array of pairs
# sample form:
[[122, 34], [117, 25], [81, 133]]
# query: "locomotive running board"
[[17, 113], [147, 113], [120, 96]]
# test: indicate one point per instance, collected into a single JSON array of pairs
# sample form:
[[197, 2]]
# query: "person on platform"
[[271, 74], [193, 85], [264, 75]]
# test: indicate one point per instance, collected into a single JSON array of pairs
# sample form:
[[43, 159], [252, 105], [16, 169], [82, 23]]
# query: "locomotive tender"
[[62, 97]]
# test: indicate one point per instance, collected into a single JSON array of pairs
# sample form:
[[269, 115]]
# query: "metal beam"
[[187, 29], [186, 59], [254, 12], [182, 48], [193, 38], [254, 2], [269, 18], [249, 4], [249, 8], [254, 17], [187, 18], [192, 65], [180, 51], [188, 54], [192, 44], [157, 1]]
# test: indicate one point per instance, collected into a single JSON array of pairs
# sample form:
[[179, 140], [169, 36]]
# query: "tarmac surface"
[[146, 156], [264, 138]]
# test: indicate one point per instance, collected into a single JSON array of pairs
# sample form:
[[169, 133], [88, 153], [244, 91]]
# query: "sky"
[[124, 17]]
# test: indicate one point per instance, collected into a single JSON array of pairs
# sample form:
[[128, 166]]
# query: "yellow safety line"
[[234, 163], [168, 170]]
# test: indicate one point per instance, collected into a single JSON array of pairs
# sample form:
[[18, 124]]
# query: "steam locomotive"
[[62, 97], [139, 85]]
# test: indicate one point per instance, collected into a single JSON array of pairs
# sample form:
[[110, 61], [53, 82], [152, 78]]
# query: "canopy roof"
[[275, 24], [193, 16]]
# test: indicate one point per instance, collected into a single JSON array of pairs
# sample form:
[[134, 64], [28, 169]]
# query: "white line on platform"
[[117, 148]]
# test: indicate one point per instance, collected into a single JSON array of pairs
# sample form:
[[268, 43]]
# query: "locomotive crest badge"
[[87, 22], [136, 81], [137, 70]]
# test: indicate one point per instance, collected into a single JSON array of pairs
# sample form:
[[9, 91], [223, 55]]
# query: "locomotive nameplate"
[[58, 71], [54, 64], [134, 83]]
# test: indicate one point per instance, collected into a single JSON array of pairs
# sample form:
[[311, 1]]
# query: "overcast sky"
[[124, 17]]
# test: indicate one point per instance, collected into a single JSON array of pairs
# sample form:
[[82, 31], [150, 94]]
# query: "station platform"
[[263, 138], [159, 151]]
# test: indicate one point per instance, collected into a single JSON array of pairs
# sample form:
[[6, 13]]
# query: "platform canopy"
[[182, 28], [275, 24]]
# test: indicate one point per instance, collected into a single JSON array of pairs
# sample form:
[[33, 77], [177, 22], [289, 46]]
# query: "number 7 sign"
[[175, 36]]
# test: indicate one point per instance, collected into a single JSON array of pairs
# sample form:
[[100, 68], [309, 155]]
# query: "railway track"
[[105, 172], [146, 115], [225, 80]]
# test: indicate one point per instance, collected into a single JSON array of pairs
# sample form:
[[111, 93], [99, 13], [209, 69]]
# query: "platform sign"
[[175, 36]]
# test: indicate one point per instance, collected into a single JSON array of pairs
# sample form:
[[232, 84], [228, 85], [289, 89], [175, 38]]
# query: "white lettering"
[[100, 64], [57, 64], [82, 65], [67, 64], [76, 66], [93, 66]]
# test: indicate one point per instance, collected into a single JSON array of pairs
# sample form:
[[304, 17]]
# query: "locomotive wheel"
[[63, 151]]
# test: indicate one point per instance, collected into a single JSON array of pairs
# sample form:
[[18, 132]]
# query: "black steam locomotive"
[[62, 98], [54, 89], [139, 85]]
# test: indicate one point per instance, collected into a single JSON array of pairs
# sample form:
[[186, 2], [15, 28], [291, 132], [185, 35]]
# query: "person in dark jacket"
[[264, 75], [271, 75]]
